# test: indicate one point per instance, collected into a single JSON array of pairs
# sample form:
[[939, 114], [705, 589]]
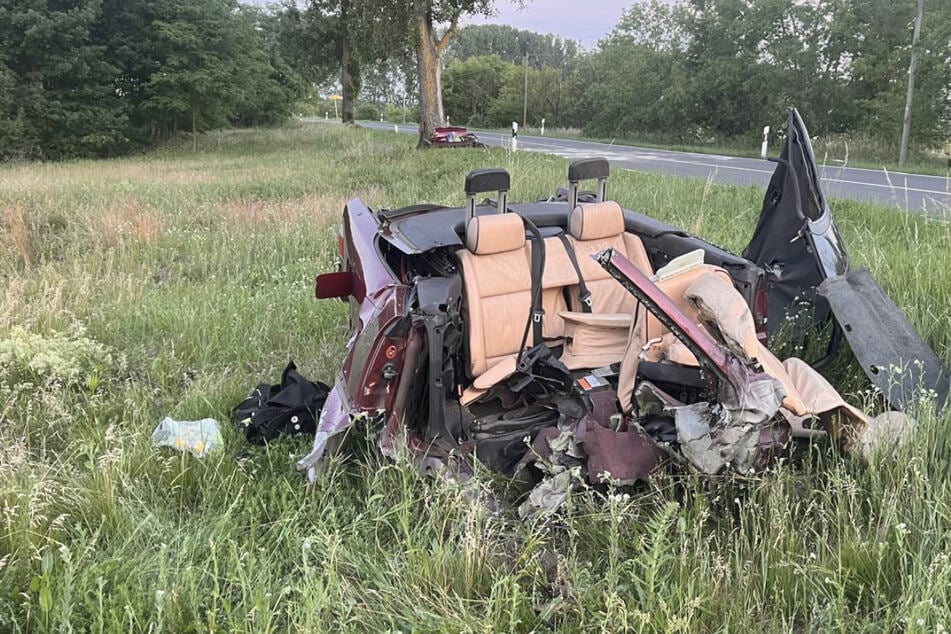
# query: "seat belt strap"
[[583, 293], [538, 312]]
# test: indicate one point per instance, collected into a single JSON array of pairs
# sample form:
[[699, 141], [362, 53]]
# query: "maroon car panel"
[[378, 303]]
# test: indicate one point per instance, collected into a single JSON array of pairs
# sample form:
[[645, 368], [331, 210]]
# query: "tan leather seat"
[[497, 285], [599, 226], [591, 229], [718, 306], [496, 273], [676, 287], [558, 275]]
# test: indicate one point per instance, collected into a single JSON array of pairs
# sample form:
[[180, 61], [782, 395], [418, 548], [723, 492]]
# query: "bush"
[[399, 114], [66, 358], [368, 111]]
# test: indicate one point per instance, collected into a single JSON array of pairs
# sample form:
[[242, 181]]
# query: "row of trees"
[[100, 77], [697, 71]]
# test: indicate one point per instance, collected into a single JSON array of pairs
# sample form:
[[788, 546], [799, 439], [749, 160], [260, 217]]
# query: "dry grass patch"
[[131, 222], [14, 234], [50, 297], [53, 178], [373, 195], [145, 172], [312, 209]]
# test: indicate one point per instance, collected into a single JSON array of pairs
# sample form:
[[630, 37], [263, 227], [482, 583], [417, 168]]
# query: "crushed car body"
[[807, 267], [573, 340], [453, 137]]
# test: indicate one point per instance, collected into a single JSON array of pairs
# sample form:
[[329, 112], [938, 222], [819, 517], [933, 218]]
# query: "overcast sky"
[[583, 20]]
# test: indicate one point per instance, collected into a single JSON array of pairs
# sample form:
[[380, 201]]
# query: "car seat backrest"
[[705, 293], [497, 284], [559, 274], [489, 235], [593, 228]]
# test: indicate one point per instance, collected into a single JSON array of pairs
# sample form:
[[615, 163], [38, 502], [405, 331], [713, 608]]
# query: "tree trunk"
[[428, 69], [349, 70], [350, 81]]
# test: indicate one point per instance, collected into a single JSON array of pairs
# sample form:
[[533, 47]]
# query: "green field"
[[172, 283]]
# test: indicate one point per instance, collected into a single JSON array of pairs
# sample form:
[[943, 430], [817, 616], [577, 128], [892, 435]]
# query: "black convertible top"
[[419, 228]]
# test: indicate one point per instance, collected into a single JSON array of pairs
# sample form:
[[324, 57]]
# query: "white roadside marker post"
[[515, 136], [762, 152], [542, 133], [396, 128]]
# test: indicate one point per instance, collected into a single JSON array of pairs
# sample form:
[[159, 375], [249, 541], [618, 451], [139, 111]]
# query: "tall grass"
[[172, 283]]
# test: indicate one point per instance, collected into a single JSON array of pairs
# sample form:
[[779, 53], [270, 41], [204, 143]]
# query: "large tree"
[[473, 85], [430, 44], [362, 32], [204, 59]]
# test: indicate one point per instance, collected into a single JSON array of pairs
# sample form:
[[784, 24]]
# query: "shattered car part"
[[406, 360], [739, 387], [710, 443], [711, 436], [488, 332], [889, 349], [796, 240], [453, 137], [807, 267], [548, 496]]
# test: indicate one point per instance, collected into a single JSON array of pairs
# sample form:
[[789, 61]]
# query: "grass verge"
[[172, 283]]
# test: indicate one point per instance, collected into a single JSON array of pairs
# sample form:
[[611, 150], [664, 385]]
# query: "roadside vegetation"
[[104, 78], [714, 73], [107, 77], [173, 282]]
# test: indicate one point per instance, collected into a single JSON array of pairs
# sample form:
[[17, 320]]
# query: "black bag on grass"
[[289, 408]]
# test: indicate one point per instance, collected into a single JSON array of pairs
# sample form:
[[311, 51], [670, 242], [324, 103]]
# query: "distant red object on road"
[[454, 136]]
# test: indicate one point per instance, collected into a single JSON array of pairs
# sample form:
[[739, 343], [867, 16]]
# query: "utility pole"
[[525, 100], [909, 100]]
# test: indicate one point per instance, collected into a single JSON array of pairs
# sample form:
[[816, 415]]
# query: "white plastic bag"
[[198, 437]]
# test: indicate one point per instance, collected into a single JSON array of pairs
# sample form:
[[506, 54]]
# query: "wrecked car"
[[453, 137], [574, 338]]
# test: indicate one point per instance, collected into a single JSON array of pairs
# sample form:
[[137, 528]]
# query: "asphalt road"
[[912, 192]]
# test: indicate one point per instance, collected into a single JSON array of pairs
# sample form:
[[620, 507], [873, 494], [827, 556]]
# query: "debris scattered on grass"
[[197, 437]]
